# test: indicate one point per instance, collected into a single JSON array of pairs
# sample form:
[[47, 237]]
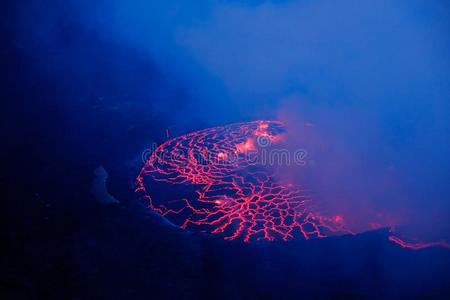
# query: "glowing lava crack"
[[214, 181]]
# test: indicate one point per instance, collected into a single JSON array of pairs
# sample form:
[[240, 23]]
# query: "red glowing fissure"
[[213, 181], [417, 245]]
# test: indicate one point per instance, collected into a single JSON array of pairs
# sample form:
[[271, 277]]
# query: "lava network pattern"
[[216, 181]]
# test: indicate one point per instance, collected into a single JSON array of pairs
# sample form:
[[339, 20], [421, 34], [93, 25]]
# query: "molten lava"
[[212, 181]]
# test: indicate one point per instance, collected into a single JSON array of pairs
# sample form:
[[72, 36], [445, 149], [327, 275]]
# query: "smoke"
[[370, 78]]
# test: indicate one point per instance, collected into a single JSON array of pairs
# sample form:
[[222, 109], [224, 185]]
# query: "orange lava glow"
[[248, 145]]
